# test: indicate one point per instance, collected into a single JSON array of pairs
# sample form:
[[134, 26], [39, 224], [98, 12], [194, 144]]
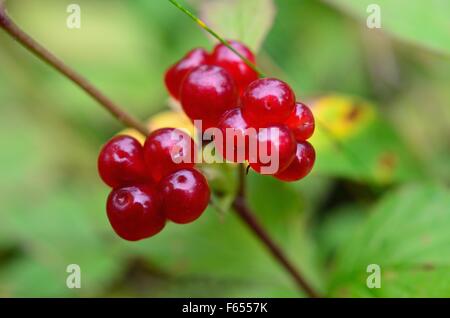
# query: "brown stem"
[[242, 209], [20, 36], [239, 204]]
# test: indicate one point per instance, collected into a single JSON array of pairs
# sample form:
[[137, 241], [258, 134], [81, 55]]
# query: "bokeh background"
[[378, 194]]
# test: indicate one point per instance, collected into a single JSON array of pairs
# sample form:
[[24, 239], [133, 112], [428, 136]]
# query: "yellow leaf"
[[133, 133], [166, 119], [342, 116]]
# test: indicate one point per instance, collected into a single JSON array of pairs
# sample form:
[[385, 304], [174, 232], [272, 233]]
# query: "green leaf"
[[338, 227], [423, 23], [294, 53], [58, 230], [407, 236], [28, 278], [248, 21], [353, 141]]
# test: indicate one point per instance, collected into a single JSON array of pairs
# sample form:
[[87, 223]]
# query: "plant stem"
[[242, 209], [217, 36], [239, 204], [20, 36]]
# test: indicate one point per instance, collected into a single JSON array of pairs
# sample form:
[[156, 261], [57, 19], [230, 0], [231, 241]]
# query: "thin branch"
[[241, 207], [34, 47], [217, 36], [243, 172]]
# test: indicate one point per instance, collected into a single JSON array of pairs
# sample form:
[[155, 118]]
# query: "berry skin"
[[241, 73], [121, 162], [233, 124], [267, 102], [301, 122], [185, 195], [206, 93], [135, 212], [177, 72], [275, 150], [167, 150], [302, 164]]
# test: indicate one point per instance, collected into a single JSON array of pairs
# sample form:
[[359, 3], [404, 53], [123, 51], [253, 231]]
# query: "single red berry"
[[273, 150], [302, 164], [233, 144], [185, 195], [206, 93], [242, 74], [167, 150], [301, 122], [121, 162], [135, 212], [267, 102], [177, 72]]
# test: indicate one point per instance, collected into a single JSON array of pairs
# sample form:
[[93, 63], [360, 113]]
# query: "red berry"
[[121, 162], [302, 164], [177, 72], [301, 122], [135, 212], [234, 142], [167, 150], [274, 151], [241, 73], [185, 195], [206, 93], [267, 101]]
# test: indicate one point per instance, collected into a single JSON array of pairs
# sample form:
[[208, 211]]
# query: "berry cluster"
[[157, 182], [152, 183], [222, 91]]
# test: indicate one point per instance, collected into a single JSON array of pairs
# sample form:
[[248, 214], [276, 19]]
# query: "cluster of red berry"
[[221, 90], [149, 186], [157, 182]]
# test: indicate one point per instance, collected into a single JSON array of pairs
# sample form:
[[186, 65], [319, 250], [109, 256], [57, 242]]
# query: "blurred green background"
[[379, 193]]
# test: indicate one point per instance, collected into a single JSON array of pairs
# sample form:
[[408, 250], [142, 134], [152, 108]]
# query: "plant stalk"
[[34, 47], [241, 207], [217, 36]]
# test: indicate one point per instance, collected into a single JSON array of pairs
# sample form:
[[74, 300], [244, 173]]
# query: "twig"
[[217, 36], [244, 212], [34, 47]]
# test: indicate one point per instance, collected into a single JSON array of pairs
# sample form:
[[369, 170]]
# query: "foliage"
[[406, 235], [377, 194], [401, 20]]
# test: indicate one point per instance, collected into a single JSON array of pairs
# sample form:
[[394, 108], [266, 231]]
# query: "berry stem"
[[239, 204], [34, 47], [242, 209], [217, 36]]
